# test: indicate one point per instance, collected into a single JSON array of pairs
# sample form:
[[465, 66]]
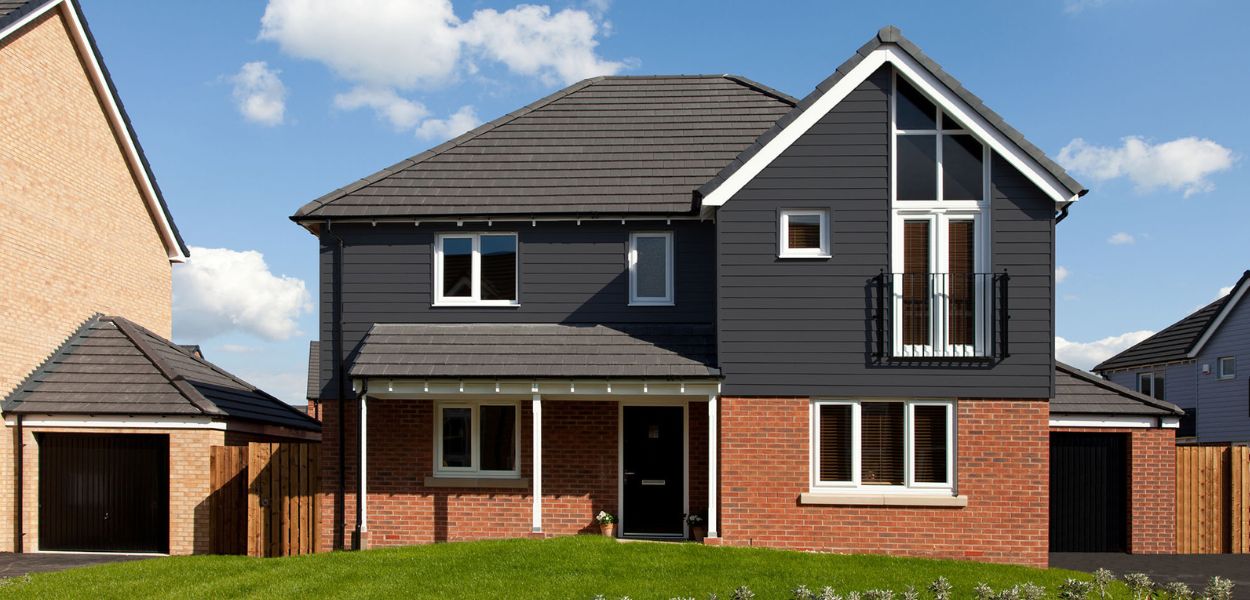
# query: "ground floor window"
[[882, 445], [479, 439]]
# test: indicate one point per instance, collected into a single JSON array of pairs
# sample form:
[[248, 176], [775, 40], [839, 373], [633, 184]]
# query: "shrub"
[[940, 588], [1176, 590], [1075, 589], [1140, 584], [1102, 580], [1219, 589]]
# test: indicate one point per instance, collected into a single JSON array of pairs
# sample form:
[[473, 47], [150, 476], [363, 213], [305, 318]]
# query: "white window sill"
[[443, 481], [816, 256], [476, 304], [860, 499], [646, 303]]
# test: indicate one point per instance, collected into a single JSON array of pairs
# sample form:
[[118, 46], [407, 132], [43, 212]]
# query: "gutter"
[[336, 316]]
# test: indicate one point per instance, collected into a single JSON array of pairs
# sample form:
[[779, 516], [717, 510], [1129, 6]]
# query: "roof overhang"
[[85, 45], [166, 422], [1239, 292], [924, 80], [572, 388], [1113, 421]]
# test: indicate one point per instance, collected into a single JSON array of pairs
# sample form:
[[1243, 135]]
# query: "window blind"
[[929, 439], [962, 283], [835, 442], [916, 296], [881, 443]]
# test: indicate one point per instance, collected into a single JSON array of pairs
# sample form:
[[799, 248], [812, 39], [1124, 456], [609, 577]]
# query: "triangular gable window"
[[937, 158]]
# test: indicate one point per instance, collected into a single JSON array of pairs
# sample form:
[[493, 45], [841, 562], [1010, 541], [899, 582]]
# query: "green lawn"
[[569, 567]]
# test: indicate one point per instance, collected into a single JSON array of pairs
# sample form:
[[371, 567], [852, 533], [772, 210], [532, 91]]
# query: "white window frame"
[[475, 443], [1221, 372], [783, 234], [475, 297], [1152, 376], [910, 486], [940, 212], [632, 259]]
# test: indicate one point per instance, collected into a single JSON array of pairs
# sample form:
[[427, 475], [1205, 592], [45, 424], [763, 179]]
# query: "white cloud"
[[1073, 7], [220, 291], [259, 93], [401, 45], [1121, 238], [1224, 291], [1085, 355], [1182, 165], [1061, 273], [445, 129], [237, 348], [290, 387], [400, 112]]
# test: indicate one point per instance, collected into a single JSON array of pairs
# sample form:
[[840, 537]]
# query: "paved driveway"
[[1193, 569], [16, 565]]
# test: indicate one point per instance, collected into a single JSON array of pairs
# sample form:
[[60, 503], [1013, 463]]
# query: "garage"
[[1088, 492], [103, 492], [1112, 467]]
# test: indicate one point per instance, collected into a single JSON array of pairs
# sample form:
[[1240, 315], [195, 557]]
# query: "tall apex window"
[[882, 445], [651, 269], [936, 158], [476, 269]]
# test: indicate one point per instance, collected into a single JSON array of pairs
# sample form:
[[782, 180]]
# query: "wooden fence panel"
[[1212, 499], [228, 500], [282, 516]]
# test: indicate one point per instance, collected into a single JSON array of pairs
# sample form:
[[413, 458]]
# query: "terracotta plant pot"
[[608, 529], [698, 533]]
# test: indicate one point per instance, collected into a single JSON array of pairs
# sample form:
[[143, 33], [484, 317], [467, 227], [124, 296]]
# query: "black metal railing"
[[942, 315]]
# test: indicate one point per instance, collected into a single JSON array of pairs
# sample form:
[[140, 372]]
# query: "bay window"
[[475, 269], [478, 439], [883, 446]]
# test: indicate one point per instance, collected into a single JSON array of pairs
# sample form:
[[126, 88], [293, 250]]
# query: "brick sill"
[[827, 499], [519, 483]]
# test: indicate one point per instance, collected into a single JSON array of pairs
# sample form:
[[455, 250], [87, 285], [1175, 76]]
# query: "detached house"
[[107, 424], [826, 323]]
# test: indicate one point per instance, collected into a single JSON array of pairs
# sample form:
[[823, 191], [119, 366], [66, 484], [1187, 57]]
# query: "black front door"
[[1088, 492], [654, 447], [104, 493]]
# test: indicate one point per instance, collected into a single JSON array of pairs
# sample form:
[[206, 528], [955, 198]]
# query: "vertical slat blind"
[[835, 442], [929, 438], [803, 231], [881, 443], [962, 283], [916, 295]]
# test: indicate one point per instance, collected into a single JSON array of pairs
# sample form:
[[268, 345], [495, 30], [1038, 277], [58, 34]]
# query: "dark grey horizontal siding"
[[569, 273], [806, 327]]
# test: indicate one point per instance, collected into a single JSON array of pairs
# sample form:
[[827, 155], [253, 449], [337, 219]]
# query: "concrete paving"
[[16, 565], [1193, 569]]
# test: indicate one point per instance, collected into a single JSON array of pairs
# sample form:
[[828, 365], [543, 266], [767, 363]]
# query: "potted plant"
[[698, 526], [607, 523]]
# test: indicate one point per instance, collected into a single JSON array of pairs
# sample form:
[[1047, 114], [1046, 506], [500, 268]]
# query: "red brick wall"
[[580, 474], [1002, 466], [1152, 487]]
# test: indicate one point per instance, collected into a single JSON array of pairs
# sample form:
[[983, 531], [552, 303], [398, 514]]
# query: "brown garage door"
[[103, 493]]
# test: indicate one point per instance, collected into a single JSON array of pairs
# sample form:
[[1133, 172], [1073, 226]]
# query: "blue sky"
[[339, 96]]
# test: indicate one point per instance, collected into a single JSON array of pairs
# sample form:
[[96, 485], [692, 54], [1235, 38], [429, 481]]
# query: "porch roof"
[[537, 350]]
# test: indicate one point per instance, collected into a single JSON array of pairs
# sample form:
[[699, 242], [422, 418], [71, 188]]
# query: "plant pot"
[[608, 529], [698, 533]]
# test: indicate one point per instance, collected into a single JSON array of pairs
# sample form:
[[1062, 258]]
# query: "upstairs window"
[[937, 159], [1151, 384], [804, 234], [882, 445], [476, 269], [1226, 367], [651, 269]]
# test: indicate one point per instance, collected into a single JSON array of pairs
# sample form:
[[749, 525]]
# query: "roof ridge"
[[1117, 388], [134, 332], [14, 396], [1168, 329], [303, 212]]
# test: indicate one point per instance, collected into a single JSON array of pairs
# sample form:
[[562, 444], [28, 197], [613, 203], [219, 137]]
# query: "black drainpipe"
[[336, 317], [17, 493]]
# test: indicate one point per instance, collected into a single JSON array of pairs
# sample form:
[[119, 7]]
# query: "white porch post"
[[362, 496], [713, 483], [538, 462]]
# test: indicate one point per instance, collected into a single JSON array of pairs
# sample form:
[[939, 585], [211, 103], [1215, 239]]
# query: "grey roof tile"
[[1078, 392], [537, 350], [110, 365], [607, 145]]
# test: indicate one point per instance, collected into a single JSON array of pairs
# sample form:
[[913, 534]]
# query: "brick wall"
[[1002, 466], [580, 474], [1152, 487], [76, 237]]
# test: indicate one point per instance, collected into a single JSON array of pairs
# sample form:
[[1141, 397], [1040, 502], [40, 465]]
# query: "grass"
[[569, 567]]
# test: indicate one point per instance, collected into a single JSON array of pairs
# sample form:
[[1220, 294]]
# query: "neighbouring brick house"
[[86, 232], [826, 323]]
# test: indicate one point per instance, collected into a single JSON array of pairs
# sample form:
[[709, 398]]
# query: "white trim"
[[713, 479], [856, 486], [474, 469], [829, 498], [1219, 320], [121, 422], [1127, 421], [551, 389], [783, 234], [620, 463], [78, 35], [364, 463], [1219, 368], [923, 80], [536, 435], [475, 270], [632, 263]]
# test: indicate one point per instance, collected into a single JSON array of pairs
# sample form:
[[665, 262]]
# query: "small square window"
[[476, 269], [1226, 367], [804, 234]]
